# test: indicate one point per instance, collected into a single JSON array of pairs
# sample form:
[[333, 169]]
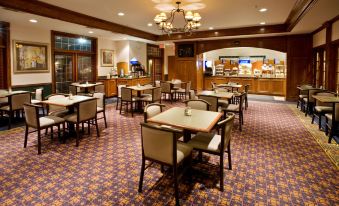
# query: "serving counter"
[[258, 85], [112, 84]]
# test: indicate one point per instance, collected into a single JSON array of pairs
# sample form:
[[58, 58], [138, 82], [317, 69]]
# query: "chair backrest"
[[31, 115], [39, 94], [305, 88], [165, 87], [312, 92], [214, 86], [126, 94], [159, 143], [72, 89], [149, 91], [188, 86], [17, 101], [226, 125], [152, 109], [119, 89], [176, 83], [192, 94], [100, 99], [99, 88], [157, 83], [156, 94], [246, 88], [324, 93], [52, 108], [87, 110], [199, 104], [240, 99], [212, 100]]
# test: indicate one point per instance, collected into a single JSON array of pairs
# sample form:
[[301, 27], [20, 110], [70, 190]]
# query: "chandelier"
[[192, 21]]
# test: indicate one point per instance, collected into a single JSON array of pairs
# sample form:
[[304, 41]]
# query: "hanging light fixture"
[[192, 21]]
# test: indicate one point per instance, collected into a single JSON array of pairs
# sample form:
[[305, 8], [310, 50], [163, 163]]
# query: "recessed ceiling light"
[[121, 14], [262, 23], [124, 38], [33, 21], [90, 32], [149, 24], [210, 28], [263, 10]]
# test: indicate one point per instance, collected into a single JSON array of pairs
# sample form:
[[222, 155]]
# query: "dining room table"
[[7, 93], [197, 121], [218, 94], [139, 89], [86, 86], [232, 86]]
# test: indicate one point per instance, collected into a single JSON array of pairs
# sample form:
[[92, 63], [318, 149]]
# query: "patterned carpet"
[[276, 161]]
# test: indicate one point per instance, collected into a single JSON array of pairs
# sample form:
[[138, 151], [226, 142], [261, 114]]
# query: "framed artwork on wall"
[[30, 57], [107, 58], [186, 50]]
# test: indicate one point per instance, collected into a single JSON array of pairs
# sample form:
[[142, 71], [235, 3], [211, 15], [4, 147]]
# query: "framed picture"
[[30, 57], [186, 50], [107, 58]]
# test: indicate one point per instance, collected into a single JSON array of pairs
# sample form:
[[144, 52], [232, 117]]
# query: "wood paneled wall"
[[5, 63]]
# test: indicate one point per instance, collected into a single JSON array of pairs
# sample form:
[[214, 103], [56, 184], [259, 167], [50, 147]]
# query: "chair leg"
[[132, 108], [10, 116], [120, 106], [176, 187], [240, 122], [319, 119], [26, 136], [313, 116], [141, 175], [96, 126], [89, 127], [39, 142], [221, 172], [77, 134], [105, 119], [326, 127], [58, 131], [116, 108], [229, 156], [64, 132], [51, 132]]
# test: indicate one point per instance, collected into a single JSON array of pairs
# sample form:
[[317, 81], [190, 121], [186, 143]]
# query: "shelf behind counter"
[[258, 85], [111, 85]]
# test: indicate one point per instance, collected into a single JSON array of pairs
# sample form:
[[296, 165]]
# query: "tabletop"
[[199, 121], [141, 88], [306, 88], [5, 93], [225, 95], [66, 101], [86, 85], [326, 99], [230, 85]]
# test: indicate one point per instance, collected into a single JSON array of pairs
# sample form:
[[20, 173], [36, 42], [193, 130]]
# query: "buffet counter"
[[112, 84], [258, 85]]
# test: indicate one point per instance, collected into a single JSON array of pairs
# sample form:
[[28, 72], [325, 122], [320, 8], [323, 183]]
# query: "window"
[[73, 44], [324, 70]]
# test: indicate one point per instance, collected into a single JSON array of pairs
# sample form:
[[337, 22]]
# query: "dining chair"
[[166, 89], [157, 83], [73, 89], [33, 120], [198, 104], [101, 105], [99, 88], [320, 109], [214, 85], [237, 109], [127, 98], [309, 101], [212, 100], [160, 145], [185, 91], [222, 102], [152, 109], [119, 93], [216, 144], [303, 93], [332, 122], [246, 89], [38, 96], [86, 112], [15, 104], [54, 110], [148, 92], [155, 96]]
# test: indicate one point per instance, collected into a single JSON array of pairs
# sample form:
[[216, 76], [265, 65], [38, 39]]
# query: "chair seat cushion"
[[146, 95], [328, 116], [183, 151], [323, 109], [206, 141], [35, 101], [147, 98], [180, 90], [59, 113], [223, 103], [305, 99], [71, 118], [50, 120], [232, 108], [5, 108], [100, 109], [301, 96]]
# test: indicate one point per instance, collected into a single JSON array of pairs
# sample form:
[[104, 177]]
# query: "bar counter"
[[112, 84], [258, 85]]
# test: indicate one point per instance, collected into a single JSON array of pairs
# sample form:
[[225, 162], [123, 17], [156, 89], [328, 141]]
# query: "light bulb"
[[189, 16], [196, 17]]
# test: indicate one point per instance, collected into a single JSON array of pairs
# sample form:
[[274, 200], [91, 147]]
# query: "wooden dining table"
[[86, 86], [199, 121], [232, 86], [219, 94], [67, 101], [139, 89], [6, 93]]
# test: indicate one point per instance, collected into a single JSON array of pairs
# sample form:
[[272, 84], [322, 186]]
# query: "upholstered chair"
[[15, 103], [38, 96], [216, 144], [212, 100], [119, 94], [99, 88], [246, 89], [73, 89], [151, 110], [199, 104], [157, 83], [86, 112], [54, 110], [185, 91], [160, 145], [101, 105], [155, 96], [34, 121], [237, 108], [303, 93], [127, 98], [320, 108], [332, 122], [166, 89]]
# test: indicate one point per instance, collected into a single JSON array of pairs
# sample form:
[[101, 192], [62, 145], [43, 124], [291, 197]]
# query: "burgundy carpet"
[[275, 162]]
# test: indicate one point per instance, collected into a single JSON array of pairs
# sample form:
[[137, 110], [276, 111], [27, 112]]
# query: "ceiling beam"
[[268, 29], [55, 12], [301, 7]]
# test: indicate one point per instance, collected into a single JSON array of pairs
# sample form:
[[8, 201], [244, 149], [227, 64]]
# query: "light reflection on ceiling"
[[168, 5]]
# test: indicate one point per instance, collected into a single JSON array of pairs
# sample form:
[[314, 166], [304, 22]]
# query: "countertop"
[[246, 77], [105, 78]]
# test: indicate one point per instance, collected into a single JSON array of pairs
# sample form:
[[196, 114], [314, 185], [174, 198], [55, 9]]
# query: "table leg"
[[187, 135]]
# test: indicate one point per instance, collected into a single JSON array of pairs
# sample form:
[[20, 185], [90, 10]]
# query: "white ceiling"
[[216, 13]]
